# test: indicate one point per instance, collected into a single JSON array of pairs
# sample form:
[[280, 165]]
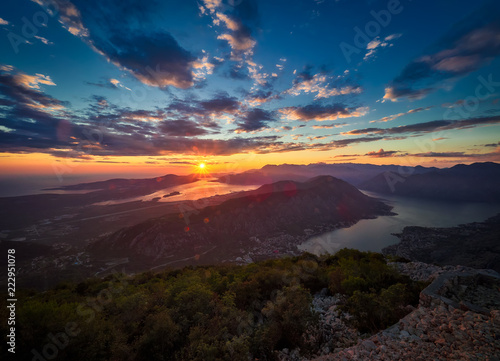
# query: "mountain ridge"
[[281, 209], [474, 182]]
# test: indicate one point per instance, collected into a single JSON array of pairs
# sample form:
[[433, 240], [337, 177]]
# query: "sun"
[[202, 169]]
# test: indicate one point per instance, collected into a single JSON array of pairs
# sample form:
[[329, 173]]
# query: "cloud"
[[3, 22], [493, 156], [321, 112], [443, 155], [29, 115], [223, 103], [202, 67], [44, 40], [182, 162], [395, 116], [377, 43], [254, 119], [468, 46], [207, 112], [382, 153], [24, 80], [238, 35], [22, 90], [346, 155], [427, 127], [33, 121], [109, 84], [261, 96], [348, 141], [153, 57], [330, 126], [322, 84], [181, 127]]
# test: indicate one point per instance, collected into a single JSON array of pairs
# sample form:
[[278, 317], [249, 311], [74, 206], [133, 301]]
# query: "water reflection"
[[375, 234], [191, 191]]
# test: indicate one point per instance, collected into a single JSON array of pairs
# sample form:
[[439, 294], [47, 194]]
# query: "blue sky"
[[173, 82]]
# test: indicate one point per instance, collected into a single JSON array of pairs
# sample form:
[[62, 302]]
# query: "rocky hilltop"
[[458, 318], [275, 217]]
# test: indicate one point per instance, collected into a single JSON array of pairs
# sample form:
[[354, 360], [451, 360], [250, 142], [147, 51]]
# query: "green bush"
[[211, 313]]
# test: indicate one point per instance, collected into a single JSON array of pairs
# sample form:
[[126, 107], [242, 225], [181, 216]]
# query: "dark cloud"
[[348, 141], [116, 30], [155, 59], [382, 153], [238, 73], [426, 127], [346, 155], [329, 126], [221, 104], [443, 155], [30, 113], [261, 96], [491, 156], [237, 23], [254, 119], [181, 127], [317, 111], [36, 122], [103, 84], [469, 45], [181, 162], [247, 12]]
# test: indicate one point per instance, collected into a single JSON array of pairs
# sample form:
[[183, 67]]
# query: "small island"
[[172, 194]]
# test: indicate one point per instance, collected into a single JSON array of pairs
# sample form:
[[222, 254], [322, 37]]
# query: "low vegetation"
[[221, 312]]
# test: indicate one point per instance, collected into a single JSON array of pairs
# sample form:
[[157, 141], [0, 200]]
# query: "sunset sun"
[[201, 169]]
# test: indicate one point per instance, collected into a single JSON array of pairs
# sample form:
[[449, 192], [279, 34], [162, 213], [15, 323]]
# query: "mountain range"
[[474, 182], [477, 182], [285, 208]]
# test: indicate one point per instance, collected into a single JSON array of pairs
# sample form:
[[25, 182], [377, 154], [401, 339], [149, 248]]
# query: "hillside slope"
[[284, 208]]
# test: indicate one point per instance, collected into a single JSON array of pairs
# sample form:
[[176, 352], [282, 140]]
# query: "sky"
[[156, 87]]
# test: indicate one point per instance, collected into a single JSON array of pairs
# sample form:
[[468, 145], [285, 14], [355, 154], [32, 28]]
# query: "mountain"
[[474, 244], [280, 214], [477, 182], [142, 186], [350, 172], [21, 211]]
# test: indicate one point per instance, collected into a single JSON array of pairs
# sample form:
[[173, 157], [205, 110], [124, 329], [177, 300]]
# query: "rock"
[[404, 334], [369, 345], [436, 331]]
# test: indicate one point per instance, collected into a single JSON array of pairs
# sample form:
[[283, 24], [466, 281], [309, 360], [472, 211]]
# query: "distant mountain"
[[282, 208], [476, 182], [148, 185], [350, 172], [24, 210]]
